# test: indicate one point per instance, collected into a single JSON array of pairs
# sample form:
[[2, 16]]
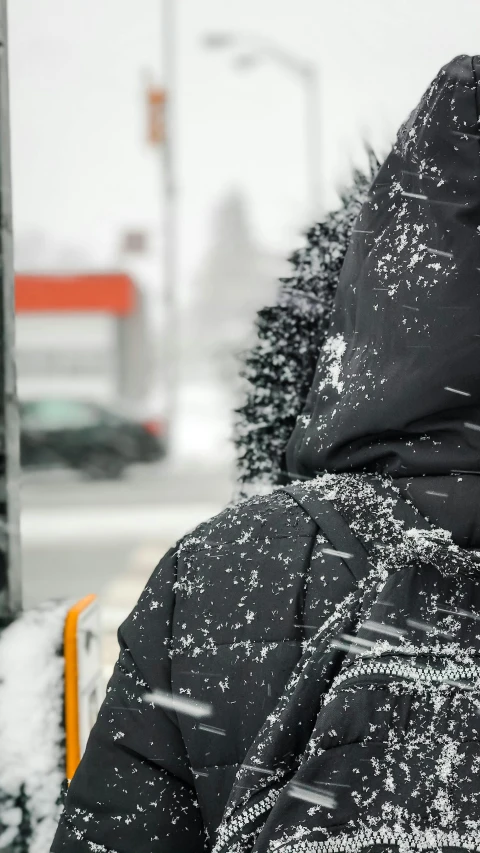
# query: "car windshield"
[[58, 414]]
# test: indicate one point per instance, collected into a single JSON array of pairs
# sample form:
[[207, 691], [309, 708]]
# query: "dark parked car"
[[97, 441]]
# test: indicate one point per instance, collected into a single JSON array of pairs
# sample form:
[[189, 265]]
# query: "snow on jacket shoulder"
[[222, 621]]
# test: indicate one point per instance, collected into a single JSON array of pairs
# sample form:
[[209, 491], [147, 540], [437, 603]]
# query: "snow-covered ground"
[[31, 726]]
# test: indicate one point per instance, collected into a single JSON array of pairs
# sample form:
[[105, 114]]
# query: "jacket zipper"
[[360, 841], [465, 677], [239, 824]]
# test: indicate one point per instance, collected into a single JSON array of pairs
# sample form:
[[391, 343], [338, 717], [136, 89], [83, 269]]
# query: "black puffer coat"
[[226, 613], [221, 621]]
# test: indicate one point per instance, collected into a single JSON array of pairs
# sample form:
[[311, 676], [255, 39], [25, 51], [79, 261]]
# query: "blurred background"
[[167, 156]]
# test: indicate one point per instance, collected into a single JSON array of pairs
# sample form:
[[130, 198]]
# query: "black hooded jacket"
[[225, 615]]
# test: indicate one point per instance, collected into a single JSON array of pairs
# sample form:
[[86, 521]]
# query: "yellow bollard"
[[83, 678]]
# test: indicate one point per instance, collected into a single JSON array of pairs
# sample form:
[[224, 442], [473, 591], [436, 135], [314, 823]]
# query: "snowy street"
[[59, 507]]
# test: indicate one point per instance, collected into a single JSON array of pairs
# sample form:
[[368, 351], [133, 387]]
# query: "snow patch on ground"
[[31, 723]]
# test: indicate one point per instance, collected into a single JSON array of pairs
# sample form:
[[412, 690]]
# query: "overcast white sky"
[[82, 171]]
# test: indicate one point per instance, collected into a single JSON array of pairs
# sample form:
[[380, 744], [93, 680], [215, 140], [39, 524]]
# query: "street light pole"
[[10, 569], [171, 326], [253, 50]]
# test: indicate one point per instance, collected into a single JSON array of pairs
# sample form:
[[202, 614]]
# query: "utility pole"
[[10, 568], [171, 327]]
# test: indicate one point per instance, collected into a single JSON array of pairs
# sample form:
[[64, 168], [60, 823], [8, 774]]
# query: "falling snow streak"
[[381, 628], [180, 704], [212, 729], [439, 252], [309, 794], [345, 555], [458, 391], [420, 196]]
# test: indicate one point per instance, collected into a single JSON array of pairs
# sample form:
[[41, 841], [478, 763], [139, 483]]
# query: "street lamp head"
[[216, 41]]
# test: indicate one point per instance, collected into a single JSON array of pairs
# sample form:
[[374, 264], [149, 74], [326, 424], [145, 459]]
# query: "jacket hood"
[[397, 384]]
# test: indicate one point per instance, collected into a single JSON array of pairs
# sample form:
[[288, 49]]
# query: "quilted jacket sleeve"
[[133, 791]]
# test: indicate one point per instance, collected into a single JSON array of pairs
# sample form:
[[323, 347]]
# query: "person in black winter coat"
[[312, 656]]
